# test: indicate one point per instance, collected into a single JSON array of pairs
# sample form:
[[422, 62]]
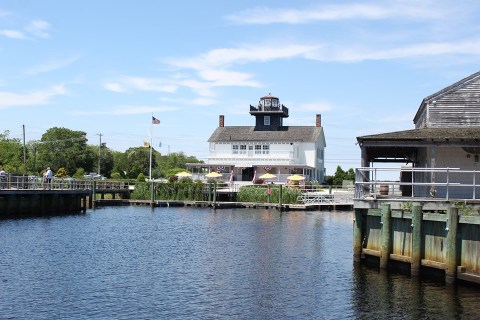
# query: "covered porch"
[[435, 163], [249, 174]]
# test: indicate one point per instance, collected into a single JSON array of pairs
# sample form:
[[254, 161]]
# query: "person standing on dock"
[[3, 178], [48, 178]]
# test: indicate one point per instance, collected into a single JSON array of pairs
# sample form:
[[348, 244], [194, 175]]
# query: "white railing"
[[442, 183], [252, 154]]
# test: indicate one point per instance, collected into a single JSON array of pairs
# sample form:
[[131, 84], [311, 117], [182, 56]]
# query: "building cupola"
[[269, 114]]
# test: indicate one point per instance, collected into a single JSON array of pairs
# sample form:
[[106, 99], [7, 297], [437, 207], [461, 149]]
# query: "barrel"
[[384, 189]]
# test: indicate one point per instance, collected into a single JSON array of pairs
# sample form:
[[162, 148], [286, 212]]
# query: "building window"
[[266, 149], [243, 149], [235, 149], [258, 149], [266, 120]]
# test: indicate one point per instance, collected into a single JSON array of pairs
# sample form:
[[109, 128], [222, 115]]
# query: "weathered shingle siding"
[[452, 107]]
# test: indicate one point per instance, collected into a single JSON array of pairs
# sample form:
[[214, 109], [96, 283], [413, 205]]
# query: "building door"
[[247, 174]]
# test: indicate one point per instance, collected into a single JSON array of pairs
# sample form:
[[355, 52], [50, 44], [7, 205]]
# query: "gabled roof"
[[445, 91], [285, 134]]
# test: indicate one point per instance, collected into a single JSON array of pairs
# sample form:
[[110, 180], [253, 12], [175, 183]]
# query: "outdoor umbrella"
[[183, 174], [213, 174], [295, 177], [267, 176]]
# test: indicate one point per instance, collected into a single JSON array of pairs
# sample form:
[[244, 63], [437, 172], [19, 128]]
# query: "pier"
[[427, 235], [23, 197]]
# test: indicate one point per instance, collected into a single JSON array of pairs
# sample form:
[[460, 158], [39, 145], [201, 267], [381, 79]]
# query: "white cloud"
[[228, 78], [359, 53], [141, 84], [127, 110], [115, 87], [52, 65], [9, 99], [255, 53], [35, 29], [386, 10], [13, 34], [38, 28]]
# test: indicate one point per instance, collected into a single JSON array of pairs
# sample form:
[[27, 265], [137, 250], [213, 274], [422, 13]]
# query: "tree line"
[[68, 153]]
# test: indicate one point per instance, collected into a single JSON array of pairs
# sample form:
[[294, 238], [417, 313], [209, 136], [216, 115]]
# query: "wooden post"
[[357, 235], [385, 240], [94, 194], [214, 193], [451, 246], [280, 197], [417, 219], [152, 194]]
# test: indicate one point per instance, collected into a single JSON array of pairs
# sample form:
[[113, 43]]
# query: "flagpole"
[[151, 147]]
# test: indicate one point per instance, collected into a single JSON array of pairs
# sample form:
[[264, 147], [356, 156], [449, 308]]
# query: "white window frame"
[[266, 120]]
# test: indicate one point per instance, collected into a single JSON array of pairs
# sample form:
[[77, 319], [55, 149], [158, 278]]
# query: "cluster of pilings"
[[423, 240]]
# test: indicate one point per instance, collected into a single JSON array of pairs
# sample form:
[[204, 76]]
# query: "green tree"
[[137, 161], [11, 154], [61, 147], [174, 161], [106, 159], [339, 176]]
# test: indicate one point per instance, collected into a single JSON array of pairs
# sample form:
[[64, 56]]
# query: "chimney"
[[319, 120], [221, 121]]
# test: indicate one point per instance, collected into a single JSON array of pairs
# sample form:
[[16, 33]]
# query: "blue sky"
[[106, 66]]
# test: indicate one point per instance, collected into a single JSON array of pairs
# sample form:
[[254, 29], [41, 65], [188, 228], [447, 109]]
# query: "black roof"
[[284, 134], [423, 134]]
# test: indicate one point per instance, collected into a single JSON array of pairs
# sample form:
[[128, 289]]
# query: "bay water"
[[201, 263]]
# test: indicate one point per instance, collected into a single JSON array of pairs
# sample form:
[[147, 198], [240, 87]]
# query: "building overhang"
[[403, 146]]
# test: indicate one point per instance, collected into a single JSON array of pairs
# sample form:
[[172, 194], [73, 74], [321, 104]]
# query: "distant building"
[[244, 153], [446, 136]]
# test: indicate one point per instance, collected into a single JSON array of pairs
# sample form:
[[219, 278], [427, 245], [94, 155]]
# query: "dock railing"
[[37, 183], [440, 183]]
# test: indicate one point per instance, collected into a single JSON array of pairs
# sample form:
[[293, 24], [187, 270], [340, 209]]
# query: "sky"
[[105, 67]]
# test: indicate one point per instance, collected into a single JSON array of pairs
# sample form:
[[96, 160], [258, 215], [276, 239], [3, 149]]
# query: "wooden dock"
[[420, 240], [219, 204], [29, 202]]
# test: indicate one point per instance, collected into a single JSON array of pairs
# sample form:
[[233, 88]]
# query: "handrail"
[[38, 183], [443, 183]]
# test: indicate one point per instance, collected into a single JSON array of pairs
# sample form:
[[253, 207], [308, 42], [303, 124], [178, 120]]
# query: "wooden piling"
[[417, 218], [451, 245], [385, 237], [357, 235]]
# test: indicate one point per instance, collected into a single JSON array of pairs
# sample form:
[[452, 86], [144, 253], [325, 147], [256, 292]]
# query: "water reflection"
[[381, 295]]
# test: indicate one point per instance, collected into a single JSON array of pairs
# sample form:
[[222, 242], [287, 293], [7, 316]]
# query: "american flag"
[[155, 120]]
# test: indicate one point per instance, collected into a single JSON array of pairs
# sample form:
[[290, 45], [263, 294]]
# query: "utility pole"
[[24, 153], [99, 151]]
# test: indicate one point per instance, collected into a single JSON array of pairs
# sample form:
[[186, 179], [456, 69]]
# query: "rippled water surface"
[[184, 263]]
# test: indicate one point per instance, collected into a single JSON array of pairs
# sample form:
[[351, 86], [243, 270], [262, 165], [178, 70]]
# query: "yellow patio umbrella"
[[295, 177], [213, 174], [184, 174], [267, 176]]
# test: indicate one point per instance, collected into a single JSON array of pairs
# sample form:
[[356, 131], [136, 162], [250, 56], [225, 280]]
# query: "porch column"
[[363, 176], [432, 165]]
